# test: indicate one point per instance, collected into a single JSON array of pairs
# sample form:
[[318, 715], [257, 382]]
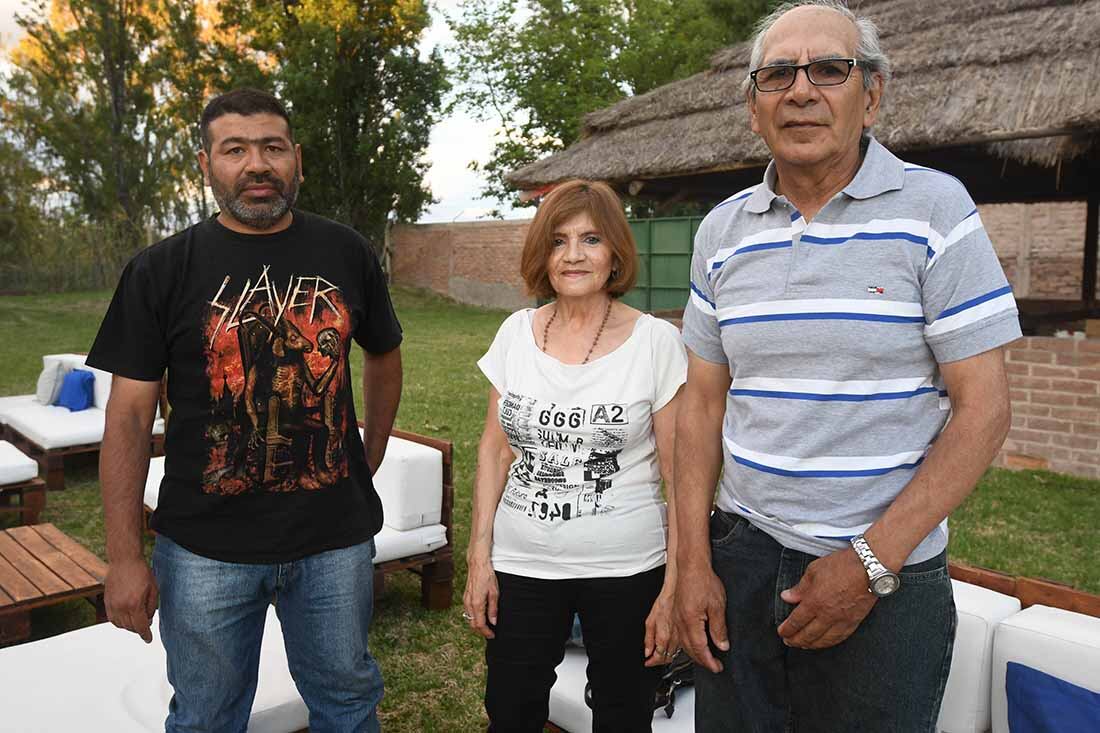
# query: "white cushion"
[[152, 481], [70, 361], [102, 388], [49, 381], [15, 466], [410, 484], [57, 427], [389, 543], [569, 711], [15, 401], [965, 706], [104, 679], [1059, 643], [54, 369]]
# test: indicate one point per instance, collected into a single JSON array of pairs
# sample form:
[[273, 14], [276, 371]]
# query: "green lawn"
[[1030, 523]]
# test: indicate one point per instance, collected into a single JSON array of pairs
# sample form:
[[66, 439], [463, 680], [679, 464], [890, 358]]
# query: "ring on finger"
[[467, 616]]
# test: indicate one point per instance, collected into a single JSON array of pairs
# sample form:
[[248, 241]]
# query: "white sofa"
[[15, 466], [410, 484], [47, 432], [101, 678], [569, 712], [966, 700], [19, 479], [1046, 672], [966, 704]]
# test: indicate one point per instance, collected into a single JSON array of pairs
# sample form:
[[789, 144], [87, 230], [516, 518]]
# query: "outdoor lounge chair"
[[417, 492], [101, 678], [48, 433], [19, 481]]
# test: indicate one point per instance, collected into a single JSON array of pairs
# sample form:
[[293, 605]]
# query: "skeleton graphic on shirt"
[[569, 456]]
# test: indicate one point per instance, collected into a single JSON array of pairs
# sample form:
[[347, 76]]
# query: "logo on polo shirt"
[[875, 290]]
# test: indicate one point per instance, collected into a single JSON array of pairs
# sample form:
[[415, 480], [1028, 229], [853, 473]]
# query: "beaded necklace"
[[546, 330]]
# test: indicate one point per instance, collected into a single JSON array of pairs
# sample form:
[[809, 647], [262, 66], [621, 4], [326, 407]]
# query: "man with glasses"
[[841, 311]]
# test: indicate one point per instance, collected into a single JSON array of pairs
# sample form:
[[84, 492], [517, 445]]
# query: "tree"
[[361, 97], [536, 69], [20, 207], [87, 95]]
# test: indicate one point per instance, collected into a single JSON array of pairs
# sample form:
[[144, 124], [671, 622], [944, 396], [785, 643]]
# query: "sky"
[[455, 141]]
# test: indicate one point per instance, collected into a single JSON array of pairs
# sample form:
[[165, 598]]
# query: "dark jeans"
[[534, 619], [888, 676], [212, 617]]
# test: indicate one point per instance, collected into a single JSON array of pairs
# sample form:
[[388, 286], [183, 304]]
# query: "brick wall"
[[1041, 246], [1055, 390], [472, 262]]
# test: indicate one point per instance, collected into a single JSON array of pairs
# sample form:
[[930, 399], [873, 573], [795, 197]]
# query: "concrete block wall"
[[471, 262], [1055, 391]]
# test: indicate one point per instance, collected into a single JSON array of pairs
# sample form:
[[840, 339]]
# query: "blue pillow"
[[1041, 703], [77, 390]]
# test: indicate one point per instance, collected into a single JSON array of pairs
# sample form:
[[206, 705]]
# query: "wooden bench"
[[435, 568], [1030, 591], [30, 497], [40, 566], [51, 461]]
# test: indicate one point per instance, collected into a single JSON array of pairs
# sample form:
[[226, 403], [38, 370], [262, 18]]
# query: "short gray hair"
[[868, 50]]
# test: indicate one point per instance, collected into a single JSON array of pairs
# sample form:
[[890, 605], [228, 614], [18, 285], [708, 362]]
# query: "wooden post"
[[437, 584], [55, 471], [1092, 241], [1022, 287]]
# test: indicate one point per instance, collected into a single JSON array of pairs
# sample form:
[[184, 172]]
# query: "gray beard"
[[258, 216]]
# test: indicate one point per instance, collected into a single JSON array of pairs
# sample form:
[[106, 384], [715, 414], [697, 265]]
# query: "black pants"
[[534, 619]]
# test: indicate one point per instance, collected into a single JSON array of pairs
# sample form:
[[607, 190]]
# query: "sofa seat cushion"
[[13, 402], [391, 544], [410, 484], [51, 427], [1060, 644], [15, 466], [965, 707], [101, 678], [56, 427], [569, 711]]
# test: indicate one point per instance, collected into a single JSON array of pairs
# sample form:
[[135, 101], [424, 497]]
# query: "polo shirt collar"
[[881, 171]]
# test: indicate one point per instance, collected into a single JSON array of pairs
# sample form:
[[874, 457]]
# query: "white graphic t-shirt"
[[583, 497]]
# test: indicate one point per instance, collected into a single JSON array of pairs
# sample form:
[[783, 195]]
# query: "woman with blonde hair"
[[568, 515]]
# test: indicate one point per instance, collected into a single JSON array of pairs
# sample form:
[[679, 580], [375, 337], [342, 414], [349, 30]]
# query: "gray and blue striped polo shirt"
[[833, 330]]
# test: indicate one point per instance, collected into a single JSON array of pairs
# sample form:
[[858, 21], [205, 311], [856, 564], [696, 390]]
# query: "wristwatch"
[[880, 579]]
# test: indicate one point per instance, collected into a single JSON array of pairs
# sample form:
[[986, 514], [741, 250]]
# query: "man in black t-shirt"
[[267, 494]]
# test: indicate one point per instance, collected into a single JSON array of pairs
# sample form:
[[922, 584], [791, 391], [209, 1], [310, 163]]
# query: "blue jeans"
[[888, 676], [212, 619]]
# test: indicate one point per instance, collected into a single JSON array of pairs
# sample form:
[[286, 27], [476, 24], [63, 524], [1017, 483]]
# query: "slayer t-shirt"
[[264, 462]]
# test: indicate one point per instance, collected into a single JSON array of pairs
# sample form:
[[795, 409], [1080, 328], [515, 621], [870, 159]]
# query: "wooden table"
[[39, 566]]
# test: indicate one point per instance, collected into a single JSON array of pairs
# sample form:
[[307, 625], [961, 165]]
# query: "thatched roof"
[[991, 80]]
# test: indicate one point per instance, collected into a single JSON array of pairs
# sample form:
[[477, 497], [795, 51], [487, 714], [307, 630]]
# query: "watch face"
[[885, 585]]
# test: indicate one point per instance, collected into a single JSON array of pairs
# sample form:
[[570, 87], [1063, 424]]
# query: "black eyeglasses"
[[822, 73]]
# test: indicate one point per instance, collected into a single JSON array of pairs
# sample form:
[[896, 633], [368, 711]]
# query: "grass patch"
[[1029, 523]]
